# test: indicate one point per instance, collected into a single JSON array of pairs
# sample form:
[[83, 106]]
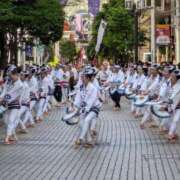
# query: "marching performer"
[[140, 78], [95, 82], [26, 118], [58, 76], [175, 97], [43, 91], [114, 82], [33, 85], [164, 93], [103, 75], [11, 99], [152, 92], [87, 100], [50, 94]]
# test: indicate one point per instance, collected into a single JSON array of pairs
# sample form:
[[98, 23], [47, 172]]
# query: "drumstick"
[[2, 73]]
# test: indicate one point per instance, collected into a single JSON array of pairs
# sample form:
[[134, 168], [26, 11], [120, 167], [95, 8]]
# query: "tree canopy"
[[41, 19], [68, 50], [118, 39]]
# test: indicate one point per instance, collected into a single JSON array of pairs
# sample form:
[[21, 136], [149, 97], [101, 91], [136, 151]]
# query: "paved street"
[[123, 152]]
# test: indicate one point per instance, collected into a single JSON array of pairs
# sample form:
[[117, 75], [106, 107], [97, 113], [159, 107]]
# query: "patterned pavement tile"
[[123, 151]]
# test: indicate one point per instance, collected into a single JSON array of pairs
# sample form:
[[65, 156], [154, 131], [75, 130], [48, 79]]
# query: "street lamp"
[[130, 5], [139, 5]]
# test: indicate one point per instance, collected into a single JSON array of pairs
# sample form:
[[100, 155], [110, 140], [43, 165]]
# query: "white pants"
[[147, 115], [22, 112], [133, 108], [32, 105], [93, 123], [40, 108], [11, 118], [176, 119], [47, 104], [26, 115], [65, 94], [85, 122], [165, 122]]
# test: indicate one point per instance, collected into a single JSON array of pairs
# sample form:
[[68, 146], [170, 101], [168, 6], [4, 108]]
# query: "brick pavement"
[[123, 151]]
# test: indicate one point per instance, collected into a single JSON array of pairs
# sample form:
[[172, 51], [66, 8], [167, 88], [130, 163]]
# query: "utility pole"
[[136, 34], [177, 31], [153, 31]]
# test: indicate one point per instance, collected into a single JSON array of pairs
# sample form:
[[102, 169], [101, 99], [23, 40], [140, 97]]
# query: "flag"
[[78, 23], [93, 6], [100, 36]]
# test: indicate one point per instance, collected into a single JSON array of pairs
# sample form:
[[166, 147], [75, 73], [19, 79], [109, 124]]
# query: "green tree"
[[118, 39], [68, 50], [41, 19]]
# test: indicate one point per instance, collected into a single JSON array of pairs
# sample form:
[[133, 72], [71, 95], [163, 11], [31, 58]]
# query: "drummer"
[[11, 97], [43, 92], [103, 75], [114, 82], [93, 131], [86, 99], [175, 97], [140, 78], [33, 85], [164, 93], [152, 91]]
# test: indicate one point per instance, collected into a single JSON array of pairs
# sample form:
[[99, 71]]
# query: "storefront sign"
[[163, 34]]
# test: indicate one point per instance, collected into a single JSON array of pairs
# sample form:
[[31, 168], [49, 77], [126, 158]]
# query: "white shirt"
[[87, 95], [33, 84], [14, 92], [25, 94], [58, 74]]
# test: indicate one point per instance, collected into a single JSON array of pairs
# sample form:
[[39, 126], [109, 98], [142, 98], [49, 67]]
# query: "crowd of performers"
[[28, 94], [153, 91]]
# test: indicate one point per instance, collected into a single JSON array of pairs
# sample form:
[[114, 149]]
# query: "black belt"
[[42, 97], [178, 106], [34, 99], [17, 106], [25, 104], [95, 110]]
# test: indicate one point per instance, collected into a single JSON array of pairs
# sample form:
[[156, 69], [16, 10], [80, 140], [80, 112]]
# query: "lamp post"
[[144, 5], [131, 5], [153, 31], [177, 31]]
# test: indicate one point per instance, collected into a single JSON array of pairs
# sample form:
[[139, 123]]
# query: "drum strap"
[[25, 104], [14, 105], [178, 106], [95, 110]]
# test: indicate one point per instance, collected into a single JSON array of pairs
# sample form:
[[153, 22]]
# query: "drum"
[[72, 93], [70, 119], [151, 103], [140, 101], [128, 92], [160, 112], [112, 90], [2, 109], [121, 90], [131, 96]]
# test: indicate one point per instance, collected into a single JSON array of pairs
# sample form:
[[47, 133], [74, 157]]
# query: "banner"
[[93, 6], [78, 23], [163, 34], [100, 36]]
